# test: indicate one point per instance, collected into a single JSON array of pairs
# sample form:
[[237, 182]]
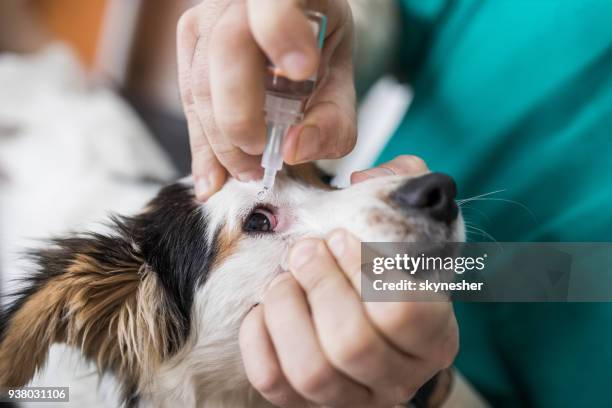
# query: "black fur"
[[170, 236]]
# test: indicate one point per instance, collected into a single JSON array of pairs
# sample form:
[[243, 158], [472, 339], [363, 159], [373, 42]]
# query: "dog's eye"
[[260, 220]]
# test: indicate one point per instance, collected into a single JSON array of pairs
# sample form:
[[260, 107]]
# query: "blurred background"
[[128, 46]]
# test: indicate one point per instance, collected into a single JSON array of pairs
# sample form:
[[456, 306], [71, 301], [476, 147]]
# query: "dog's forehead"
[[237, 199], [291, 180], [233, 197]]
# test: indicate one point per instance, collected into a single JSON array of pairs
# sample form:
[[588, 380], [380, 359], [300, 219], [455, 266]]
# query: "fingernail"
[[294, 64], [337, 243], [379, 172], [308, 144], [249, 176], [202, 188], [301, 253], [252, 149]]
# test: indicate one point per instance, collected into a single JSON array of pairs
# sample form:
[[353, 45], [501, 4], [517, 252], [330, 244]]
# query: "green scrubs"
[[516, 95]]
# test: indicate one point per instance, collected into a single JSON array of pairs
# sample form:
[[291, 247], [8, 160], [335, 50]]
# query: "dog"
[[157, 302]]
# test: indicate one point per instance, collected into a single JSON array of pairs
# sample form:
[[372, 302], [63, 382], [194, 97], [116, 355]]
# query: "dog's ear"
[[124, 299], [94, 292]]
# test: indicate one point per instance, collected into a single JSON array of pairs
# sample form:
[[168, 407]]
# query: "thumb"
[[405, 165], [329, 129]]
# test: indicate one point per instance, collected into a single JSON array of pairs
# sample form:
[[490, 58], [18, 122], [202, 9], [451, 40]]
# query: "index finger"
[[208, 173]]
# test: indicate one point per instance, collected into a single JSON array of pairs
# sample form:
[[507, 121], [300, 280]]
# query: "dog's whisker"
[[466, 200], [505, 200], [479, 211], [479, 231]]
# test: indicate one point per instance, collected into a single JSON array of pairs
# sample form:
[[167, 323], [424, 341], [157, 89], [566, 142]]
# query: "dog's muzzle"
[[432, 194]]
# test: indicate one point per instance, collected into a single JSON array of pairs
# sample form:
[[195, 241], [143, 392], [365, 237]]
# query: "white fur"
[[210, 366]]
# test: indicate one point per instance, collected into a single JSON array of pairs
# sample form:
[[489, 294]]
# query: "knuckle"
[[228, 156], [319, 250], [237, 126], [312, 380], [230, 33], [200, 149], [268, 380], [406, 315], [318, 286], [281, 292], [223, 150], [350, 347], [312, 283]]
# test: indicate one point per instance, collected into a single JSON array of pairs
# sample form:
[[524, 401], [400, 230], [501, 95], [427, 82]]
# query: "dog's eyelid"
[[254, 223]]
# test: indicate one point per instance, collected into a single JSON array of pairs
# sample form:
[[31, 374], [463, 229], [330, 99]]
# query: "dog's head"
[[164, 294]]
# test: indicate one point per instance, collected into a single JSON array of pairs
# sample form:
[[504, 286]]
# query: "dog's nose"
[[433, 193]]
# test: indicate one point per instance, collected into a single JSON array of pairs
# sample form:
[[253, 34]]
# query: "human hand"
[[221, 71], [312, 340]]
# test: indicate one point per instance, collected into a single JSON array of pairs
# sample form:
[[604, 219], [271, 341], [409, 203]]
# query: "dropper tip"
[[268, 178], [262, 194]]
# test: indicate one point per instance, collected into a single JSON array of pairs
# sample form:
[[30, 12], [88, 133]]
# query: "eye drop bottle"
[[285, 104]]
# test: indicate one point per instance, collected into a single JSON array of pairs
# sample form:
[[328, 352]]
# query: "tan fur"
[[26, 342], [113, 314], [227, 243]]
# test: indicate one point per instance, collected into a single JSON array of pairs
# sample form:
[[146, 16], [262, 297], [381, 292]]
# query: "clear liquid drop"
[[262, 194]]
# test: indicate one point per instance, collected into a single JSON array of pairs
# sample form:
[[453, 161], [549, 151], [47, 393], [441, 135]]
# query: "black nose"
[[433, 193]]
